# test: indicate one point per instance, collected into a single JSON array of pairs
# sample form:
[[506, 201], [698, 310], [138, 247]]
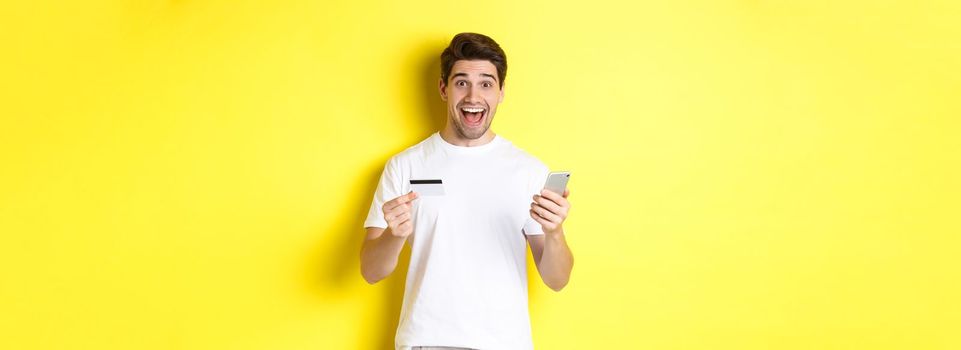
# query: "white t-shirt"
[[467, 280]]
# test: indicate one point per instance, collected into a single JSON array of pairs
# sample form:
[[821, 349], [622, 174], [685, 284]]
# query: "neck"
[[452, 137]]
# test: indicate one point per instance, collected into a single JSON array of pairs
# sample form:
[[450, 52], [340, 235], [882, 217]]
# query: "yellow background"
[[746, 174]]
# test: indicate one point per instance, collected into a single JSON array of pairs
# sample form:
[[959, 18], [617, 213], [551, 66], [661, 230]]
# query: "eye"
[[461, 83], [488, 84]]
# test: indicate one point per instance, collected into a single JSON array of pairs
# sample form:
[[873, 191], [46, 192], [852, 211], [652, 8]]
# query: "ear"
[[442, 86], [501, 99]]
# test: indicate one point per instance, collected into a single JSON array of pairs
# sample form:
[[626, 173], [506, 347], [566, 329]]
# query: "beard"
[[471, 132]]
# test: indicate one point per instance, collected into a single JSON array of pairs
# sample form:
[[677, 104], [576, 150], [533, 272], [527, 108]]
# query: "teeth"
[[472, 110]]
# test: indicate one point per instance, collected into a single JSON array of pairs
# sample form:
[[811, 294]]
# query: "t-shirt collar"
[[463, 149]]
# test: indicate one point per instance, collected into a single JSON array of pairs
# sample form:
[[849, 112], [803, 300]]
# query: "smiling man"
[[469, 202]]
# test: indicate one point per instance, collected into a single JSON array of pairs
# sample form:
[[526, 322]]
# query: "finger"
[[552, 195], [398, 210], [538, 218], [400, 200], [546, 214], [567, 192], [557, 199], [397, 204], [548, 204], [400, 223], [543, 222], [405, 198], [400, 217]]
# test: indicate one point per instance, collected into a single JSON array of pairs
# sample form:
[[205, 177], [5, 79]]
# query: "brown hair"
[[473, 46]]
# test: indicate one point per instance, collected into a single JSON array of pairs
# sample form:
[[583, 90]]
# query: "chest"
[[481, 192]]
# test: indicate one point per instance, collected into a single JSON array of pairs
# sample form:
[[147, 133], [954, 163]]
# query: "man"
[[467, 279]]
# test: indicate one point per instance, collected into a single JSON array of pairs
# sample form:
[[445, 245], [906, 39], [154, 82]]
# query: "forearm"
[[379, 256], [556, 261]]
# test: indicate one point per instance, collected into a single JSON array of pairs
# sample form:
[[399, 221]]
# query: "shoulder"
[[525, 159], [418, 150]]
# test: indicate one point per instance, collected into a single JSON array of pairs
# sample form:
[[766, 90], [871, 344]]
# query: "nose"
[[473, 95]]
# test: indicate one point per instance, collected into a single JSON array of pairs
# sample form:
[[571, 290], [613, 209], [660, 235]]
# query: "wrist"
[[389, 235], [559, 231]]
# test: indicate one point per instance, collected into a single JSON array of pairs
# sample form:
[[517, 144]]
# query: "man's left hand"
[[550, 210]]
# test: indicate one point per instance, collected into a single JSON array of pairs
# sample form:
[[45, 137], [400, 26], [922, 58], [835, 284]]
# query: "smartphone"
[[557, 181]]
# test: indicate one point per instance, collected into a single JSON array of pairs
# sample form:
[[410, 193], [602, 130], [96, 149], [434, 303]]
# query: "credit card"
[[427, 187]]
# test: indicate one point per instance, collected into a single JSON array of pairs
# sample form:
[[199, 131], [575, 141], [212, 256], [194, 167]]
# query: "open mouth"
[[473, 116]]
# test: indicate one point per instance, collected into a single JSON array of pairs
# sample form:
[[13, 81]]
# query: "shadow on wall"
[[433, 109], [340, 261]]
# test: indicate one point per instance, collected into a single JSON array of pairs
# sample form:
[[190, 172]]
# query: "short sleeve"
[[389, 187], [537, 180]]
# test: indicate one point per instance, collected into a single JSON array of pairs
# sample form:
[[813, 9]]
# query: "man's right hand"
[[397, 212]]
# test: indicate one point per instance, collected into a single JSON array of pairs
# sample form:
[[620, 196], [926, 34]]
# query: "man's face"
[[472, 93]]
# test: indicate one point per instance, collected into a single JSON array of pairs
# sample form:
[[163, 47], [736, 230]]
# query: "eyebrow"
[[465, 75]]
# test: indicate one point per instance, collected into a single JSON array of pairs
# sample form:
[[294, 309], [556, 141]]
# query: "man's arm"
[[553, 259], [379, 254], [551, 254], [381, 249]]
